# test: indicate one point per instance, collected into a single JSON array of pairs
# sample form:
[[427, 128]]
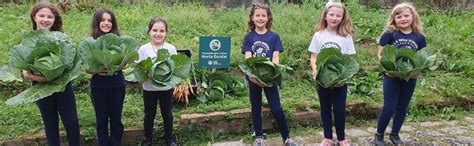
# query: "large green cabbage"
[[265, 71], [108, 53], [49, 54], [166, 70], [405, 63], [334, 68]]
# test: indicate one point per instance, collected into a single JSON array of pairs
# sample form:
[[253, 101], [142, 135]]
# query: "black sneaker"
[[395, 138], [378, 140]]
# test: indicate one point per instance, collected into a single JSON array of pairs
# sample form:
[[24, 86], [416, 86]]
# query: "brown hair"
[[344, 28], [251, 24], [96, 32], [58, 22], [156, 20], [416, 23]]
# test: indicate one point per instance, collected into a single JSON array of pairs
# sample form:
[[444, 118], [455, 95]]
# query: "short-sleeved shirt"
[[148, 51], [325, 39], [413, 40], [262, 44]]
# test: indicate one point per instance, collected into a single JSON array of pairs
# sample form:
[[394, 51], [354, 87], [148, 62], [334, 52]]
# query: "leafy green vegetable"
[[49, 54], [108, 53], [165, 71], [334, 68], [216, 91], [265, 71], [405, 63]]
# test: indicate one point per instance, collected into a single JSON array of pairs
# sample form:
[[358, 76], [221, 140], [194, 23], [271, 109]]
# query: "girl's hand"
[[390, 75], [339, 85], [103, 72], [123, 68], [416, 76], [89, 71], [256, 82], [28, 75], [315, 74]]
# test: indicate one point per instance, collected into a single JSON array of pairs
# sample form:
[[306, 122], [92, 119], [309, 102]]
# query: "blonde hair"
[[416, 25], [344, 28]]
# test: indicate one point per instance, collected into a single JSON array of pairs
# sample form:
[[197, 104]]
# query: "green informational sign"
[[214, 52]]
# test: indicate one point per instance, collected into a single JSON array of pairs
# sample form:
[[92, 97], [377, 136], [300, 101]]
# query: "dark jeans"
[[150, 99], [108, 104], [63, 103], [397, 94], [273, 98], [333, 101]]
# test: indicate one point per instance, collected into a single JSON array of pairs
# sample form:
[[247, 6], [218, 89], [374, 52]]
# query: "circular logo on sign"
[[215, 45]]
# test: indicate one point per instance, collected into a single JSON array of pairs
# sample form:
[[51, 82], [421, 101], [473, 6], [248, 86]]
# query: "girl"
[[403, 29], [158, 31], [261, 41], [107, 92], [45, 16], [333, 30]]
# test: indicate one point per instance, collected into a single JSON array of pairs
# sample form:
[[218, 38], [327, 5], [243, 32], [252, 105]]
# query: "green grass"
[[450, 32]]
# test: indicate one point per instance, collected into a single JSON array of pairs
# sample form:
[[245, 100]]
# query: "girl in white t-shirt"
[[333, 30], [158, 31]]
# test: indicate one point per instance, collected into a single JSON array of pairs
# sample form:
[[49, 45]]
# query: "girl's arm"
[[28, 75], [248, 54], [313, 59], [379, 55], [276, 57], [379, 52]]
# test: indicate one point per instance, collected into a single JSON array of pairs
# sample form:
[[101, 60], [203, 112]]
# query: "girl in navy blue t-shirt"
[[261, 41], [108, 92], [403, 29]]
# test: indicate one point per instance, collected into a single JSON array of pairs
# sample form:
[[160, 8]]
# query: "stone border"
[[234, 121]]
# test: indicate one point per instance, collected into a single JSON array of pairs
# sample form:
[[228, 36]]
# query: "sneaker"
[[343, 143], [290, 142], [326, 142], [259, 141], [378, 140], [395, 138]]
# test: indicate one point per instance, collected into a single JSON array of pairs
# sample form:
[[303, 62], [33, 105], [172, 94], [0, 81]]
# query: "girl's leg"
[[339, 95], [273, 98], [116, 98], [406, 92], [150, 100], [391, 93], [166, 106], [256, 103], [66, 102], [325, 102], [101, 105], [49, 114]]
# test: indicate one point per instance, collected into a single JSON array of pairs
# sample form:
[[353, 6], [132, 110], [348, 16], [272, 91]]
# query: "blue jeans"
[[397, 94], [333, 101], [273, 98], [150, 99], [108, 104], [63, 103]]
